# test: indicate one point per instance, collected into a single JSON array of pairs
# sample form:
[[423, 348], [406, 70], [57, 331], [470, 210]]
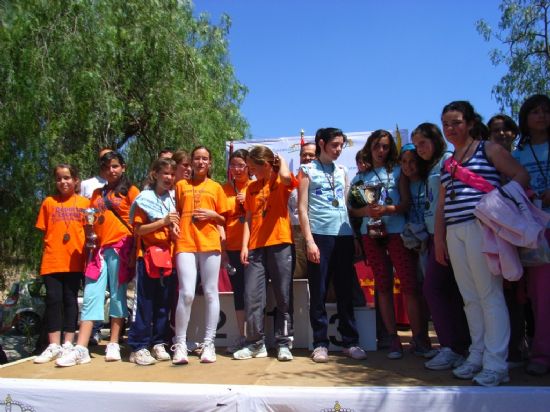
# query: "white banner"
[[289, 147], [56, 395]]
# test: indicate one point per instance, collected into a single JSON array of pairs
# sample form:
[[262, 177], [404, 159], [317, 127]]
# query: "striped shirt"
[[461, 208]]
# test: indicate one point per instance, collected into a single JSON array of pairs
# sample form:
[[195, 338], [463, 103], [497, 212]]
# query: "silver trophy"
[[372, 194], [90, 217], [367, 194]]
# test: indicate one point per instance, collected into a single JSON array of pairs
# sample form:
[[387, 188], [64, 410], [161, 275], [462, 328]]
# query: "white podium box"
[[227, 330], [365, 320], [302, 331]]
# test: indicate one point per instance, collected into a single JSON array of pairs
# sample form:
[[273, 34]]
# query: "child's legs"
[[209, 264], [343, 274], [378, 259], [139, 335], [538, 286], [162, 304], [279, 268], [405, 262], [318, 275], [489, 315], [255, 295], [237, 284], [456, 245], [516, 314], [118, 308], [186, 264], [446, 305], [94, 297], [54, 306], [71, 285]]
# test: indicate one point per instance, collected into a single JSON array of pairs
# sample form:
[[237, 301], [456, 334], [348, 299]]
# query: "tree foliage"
[[523, 31], [135, 75]]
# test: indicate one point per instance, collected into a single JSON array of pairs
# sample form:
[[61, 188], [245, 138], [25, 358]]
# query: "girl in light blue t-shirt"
[[324, 221]]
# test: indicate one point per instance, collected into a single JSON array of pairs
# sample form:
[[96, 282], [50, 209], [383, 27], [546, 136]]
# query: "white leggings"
[[209, 267]]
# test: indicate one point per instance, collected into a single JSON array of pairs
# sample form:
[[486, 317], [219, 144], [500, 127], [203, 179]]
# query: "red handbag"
[[158, 262]]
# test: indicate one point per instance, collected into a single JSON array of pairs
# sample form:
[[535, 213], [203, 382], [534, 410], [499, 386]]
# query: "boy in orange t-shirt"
[[267, 248]]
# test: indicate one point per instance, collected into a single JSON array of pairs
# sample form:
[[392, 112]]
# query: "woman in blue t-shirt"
[[329, 241]]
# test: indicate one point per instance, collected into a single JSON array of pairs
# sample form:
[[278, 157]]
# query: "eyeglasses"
[[237, 167]]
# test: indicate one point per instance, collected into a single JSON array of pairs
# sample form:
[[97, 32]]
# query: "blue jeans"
[[153, 302], [337, 262]]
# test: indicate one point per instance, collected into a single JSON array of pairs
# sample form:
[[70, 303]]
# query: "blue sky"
[[357, 65]]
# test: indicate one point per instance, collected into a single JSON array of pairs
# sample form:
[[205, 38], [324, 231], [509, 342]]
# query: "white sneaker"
[[78, 355], [112, 352], [490, 378], [320, 354], [53, 351], [66, 347], [159, 352], [467, 370], [180, 354], [445, 359], [251, 351], [238, 344], [284, 354], [142, 357], [355, 352], [208, 354]]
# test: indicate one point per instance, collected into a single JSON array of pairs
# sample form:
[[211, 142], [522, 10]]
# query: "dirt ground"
[[339, 371]]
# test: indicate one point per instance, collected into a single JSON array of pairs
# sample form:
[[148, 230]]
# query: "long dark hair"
[[124, 184], [391, 160], [528, 105], [326, 134], [433, 133], [478, 131]]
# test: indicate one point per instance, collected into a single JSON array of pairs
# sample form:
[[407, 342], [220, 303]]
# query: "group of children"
[[184, 224]]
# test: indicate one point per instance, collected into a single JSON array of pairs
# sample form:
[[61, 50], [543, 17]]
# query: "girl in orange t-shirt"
[[60, 218], [201, 204], [235, 190], [110, 262], [267, 249]]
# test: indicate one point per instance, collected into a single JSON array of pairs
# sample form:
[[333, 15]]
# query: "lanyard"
[[388, 199], [331, 182], [241, 207], [544, 175]]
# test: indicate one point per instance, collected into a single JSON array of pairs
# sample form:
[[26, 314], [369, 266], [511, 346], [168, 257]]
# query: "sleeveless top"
[[327, 210], [461, 208]]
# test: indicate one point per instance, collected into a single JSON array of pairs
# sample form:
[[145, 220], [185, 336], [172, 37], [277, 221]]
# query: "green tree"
[[523, 31], [135, 75]]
